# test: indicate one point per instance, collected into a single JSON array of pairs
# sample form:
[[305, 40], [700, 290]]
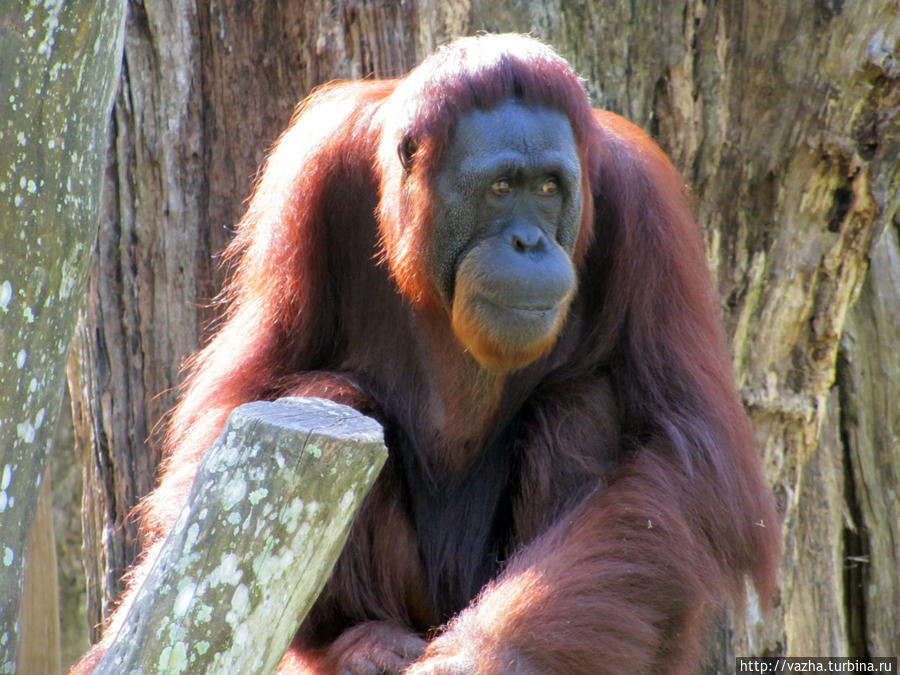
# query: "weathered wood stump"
[[267, 517]]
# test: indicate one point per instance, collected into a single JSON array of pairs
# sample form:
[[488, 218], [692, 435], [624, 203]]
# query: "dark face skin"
[[507, 210]]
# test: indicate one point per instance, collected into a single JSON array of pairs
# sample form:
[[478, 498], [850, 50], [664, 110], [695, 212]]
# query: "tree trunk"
[[784, 119], [869, 426], [59, 62]]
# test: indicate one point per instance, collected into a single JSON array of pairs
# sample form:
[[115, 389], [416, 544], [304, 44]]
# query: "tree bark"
[[784, 119], [869, 425], [60, 63]]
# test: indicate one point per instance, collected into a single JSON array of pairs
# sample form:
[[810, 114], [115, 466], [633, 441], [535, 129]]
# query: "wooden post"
[[267, 517]]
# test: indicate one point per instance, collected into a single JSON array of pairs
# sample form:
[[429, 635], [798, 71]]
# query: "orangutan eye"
[[549, 187], [501, 187]]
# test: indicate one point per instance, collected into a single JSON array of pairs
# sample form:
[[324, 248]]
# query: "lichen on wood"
[[267, 517], [60, 67]]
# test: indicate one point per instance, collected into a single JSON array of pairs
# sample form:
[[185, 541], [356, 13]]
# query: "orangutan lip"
[[535, 309]]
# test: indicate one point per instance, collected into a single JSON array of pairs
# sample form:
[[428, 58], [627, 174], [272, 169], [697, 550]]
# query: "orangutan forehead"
[[537, 132]]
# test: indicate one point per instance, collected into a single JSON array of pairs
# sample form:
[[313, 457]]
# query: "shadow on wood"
[[267, 518]]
